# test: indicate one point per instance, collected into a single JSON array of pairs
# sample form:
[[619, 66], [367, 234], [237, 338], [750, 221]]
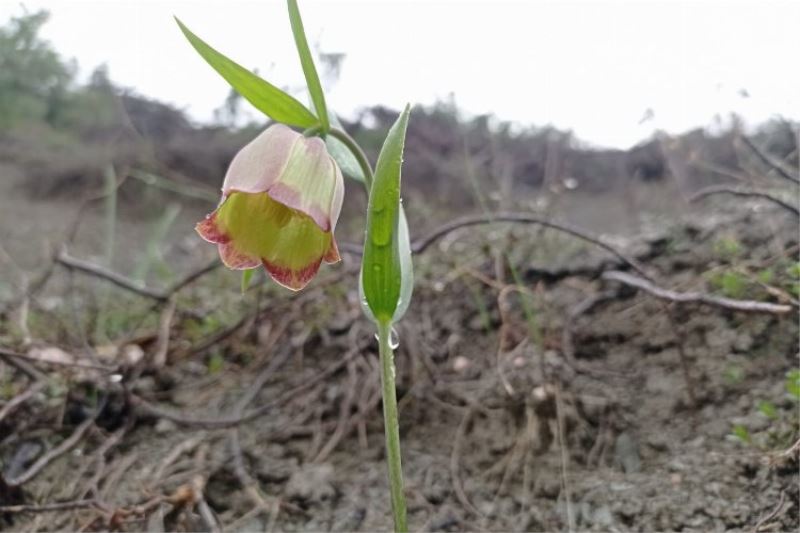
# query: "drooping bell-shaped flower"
[[281, 199]]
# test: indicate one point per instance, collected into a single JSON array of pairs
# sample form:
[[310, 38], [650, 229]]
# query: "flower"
[[281, 198]]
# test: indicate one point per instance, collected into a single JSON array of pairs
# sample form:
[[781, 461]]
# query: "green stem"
[[357, 152], [392, 428]]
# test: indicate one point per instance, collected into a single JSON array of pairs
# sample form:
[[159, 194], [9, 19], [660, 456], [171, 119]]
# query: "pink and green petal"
[[310, 183], [256, 166]]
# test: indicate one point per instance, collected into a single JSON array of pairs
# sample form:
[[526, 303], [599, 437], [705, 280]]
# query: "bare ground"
[[632, 415]]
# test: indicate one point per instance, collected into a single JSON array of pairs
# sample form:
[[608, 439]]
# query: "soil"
[[646, 417]]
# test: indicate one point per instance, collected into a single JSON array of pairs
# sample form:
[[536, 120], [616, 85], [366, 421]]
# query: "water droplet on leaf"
[[394, 339]]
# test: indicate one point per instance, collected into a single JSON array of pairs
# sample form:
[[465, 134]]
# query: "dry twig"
[[420, 245], [747, 306], [50, 507], [145, 407], [56, 452], [746, 193], [769, 161], [775, 512], [20, 398], [455, 459]]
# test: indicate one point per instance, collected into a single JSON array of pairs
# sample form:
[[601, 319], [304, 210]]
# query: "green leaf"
[[310, 71], [264, 96], [247, 275], [342, 155], [406, 266], [381, 264], [406, 273]]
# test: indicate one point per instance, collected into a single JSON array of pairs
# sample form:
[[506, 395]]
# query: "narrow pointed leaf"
[[264, 96], [307, 61], [381, 264]]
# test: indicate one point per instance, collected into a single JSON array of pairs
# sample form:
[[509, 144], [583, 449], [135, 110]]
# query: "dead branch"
[[455, 459], [147, 408], [20, 398], [162, 341], [769, 161], [63, 258], [746, 193], [17, 360], [771, 516], [747, 306], [10, 356], [50, 507], [418, 246], [198, 486], [56, 452], [103, 273]]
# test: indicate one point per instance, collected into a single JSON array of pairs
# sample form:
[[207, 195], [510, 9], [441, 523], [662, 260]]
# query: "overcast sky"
[[594, 67]]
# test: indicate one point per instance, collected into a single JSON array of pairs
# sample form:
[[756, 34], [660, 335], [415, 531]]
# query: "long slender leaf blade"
[[307, 61], [381, 265], [264, 96]]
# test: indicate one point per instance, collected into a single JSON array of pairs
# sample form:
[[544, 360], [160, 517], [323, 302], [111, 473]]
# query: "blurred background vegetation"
[[65, 134]]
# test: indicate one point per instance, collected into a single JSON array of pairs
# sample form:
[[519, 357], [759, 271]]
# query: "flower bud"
[[281, 198]]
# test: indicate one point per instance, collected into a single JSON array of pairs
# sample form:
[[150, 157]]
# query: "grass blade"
[[309, 70], [264, 96]]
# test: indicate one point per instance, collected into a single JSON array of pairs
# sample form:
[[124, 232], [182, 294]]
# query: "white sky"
[[593, 66]]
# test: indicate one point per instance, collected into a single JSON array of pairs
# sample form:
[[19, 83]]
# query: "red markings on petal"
[[210, 230], [332, 253], [292, 279], [236, 260]]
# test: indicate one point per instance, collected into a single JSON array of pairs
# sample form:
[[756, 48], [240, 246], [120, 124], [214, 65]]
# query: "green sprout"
[[283, 194], [727, 248], [793, 384], [741, 433]]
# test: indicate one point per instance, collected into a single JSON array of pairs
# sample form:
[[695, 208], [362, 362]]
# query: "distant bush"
[[33, 77]]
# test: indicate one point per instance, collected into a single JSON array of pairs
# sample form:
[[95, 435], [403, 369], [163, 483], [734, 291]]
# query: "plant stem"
[[392, 428], [357, 152]]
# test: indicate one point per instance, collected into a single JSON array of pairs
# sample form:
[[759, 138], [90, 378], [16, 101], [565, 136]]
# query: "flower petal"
[[236, 259], [292, 279], [255, 229], [310, 182], [256, 166], [332, 253], [210, 230]]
